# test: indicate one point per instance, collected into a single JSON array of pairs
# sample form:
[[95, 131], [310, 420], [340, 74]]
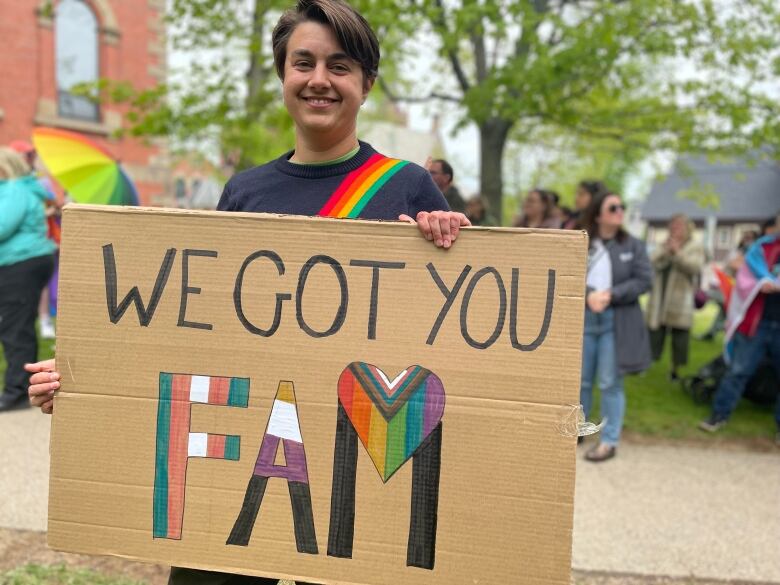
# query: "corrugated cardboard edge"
[[306, 219]]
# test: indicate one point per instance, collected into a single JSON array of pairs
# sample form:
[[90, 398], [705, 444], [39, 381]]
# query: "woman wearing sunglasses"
[[616, 340]]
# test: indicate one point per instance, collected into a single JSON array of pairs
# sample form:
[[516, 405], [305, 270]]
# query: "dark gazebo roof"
[[747, 192]]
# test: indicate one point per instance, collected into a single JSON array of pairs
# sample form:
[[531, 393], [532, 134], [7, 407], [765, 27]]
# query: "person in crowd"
[[48, 304], [327, 57], [566, 213], [537, 211], [477, 211], [557, 212], [586, 191], [715, 293], [677, 265], [769, 227], [737, 258], [26, 264], [443, 175], [616, 340], [753, 328]]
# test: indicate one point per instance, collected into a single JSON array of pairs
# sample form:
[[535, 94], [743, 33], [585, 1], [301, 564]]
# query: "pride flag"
[[361, 185]]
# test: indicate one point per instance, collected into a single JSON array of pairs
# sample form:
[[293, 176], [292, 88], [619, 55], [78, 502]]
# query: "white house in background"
[[392, 136], [749, 195], [400, 142]]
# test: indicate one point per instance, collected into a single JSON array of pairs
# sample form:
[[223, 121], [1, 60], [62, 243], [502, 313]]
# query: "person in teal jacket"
[[26, 264]]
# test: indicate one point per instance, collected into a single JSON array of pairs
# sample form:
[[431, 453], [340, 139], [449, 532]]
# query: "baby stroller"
[[762, 388]]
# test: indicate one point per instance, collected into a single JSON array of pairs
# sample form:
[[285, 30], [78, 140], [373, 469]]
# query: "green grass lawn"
[[657, 407], [59, 575]]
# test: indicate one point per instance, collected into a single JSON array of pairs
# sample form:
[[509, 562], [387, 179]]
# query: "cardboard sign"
[[334, 401]]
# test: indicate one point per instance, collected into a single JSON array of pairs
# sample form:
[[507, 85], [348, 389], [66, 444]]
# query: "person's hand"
[[672, 245], [440, 227], [43, 383], [428, 163], [770, 288], [598, 300]]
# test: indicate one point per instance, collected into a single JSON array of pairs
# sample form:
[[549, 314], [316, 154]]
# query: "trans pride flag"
[[746, 306]]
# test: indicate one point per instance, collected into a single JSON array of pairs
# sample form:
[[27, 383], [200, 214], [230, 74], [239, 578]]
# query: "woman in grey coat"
[[616, 340]]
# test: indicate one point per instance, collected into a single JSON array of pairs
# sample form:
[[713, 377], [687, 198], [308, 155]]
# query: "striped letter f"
[[176, 443]]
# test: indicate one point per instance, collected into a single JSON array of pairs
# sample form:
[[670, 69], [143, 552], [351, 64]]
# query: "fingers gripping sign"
[[440, 227], [43, 383]]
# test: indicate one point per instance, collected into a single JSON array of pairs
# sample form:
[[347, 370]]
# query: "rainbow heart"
[[391, 417]]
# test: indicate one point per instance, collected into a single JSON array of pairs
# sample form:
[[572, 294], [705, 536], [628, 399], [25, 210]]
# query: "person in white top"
[[616, 340]]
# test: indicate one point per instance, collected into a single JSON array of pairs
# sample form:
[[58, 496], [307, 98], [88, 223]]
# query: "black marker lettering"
[[280, 297], [547, 312], [341, 313], [464, 309], [145, 314], [449, 296], [373, 308], [187, 290]]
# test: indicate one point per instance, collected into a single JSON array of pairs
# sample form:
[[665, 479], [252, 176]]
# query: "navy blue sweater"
[[288, 188]]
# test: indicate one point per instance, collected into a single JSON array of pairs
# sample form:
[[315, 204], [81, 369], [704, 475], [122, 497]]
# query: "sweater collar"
[[305, 171]]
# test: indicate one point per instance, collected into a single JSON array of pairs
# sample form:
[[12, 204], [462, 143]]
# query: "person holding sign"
[[327, 57], [616, 339]]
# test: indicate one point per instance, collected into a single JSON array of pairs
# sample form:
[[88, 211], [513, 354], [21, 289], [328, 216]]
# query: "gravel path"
[[680, 511], [688, 513]]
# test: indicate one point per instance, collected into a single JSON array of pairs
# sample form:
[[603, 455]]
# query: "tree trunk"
[[256, 75], [493, 135]]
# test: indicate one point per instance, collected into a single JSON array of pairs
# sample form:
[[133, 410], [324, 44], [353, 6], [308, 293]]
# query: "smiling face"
[[323, 88]]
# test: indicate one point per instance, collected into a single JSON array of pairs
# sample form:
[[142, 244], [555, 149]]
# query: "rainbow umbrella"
[[87, 172]]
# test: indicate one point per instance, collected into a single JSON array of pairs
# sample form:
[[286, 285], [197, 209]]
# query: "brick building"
[[51, 45]]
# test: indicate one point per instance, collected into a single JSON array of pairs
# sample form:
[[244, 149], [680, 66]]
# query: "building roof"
[[747, 192]]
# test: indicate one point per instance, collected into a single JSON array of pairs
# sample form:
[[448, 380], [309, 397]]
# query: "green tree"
[[684, 75], [555, 160], [224, 92], [639, 75]]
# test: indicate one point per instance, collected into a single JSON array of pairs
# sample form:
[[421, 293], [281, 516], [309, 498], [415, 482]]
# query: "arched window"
[[180, 188], [76, 38]]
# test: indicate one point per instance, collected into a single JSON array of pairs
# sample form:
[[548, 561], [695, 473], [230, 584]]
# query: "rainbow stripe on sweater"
[[361, 185]]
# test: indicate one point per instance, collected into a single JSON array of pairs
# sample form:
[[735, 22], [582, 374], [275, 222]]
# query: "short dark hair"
[[353, 32], [446, 168]]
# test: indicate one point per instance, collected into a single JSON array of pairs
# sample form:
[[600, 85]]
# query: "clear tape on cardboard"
[[573, 423]]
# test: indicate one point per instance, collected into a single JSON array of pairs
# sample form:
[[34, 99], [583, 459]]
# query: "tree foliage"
[[626, 75], [685, 75], [222, 88]]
